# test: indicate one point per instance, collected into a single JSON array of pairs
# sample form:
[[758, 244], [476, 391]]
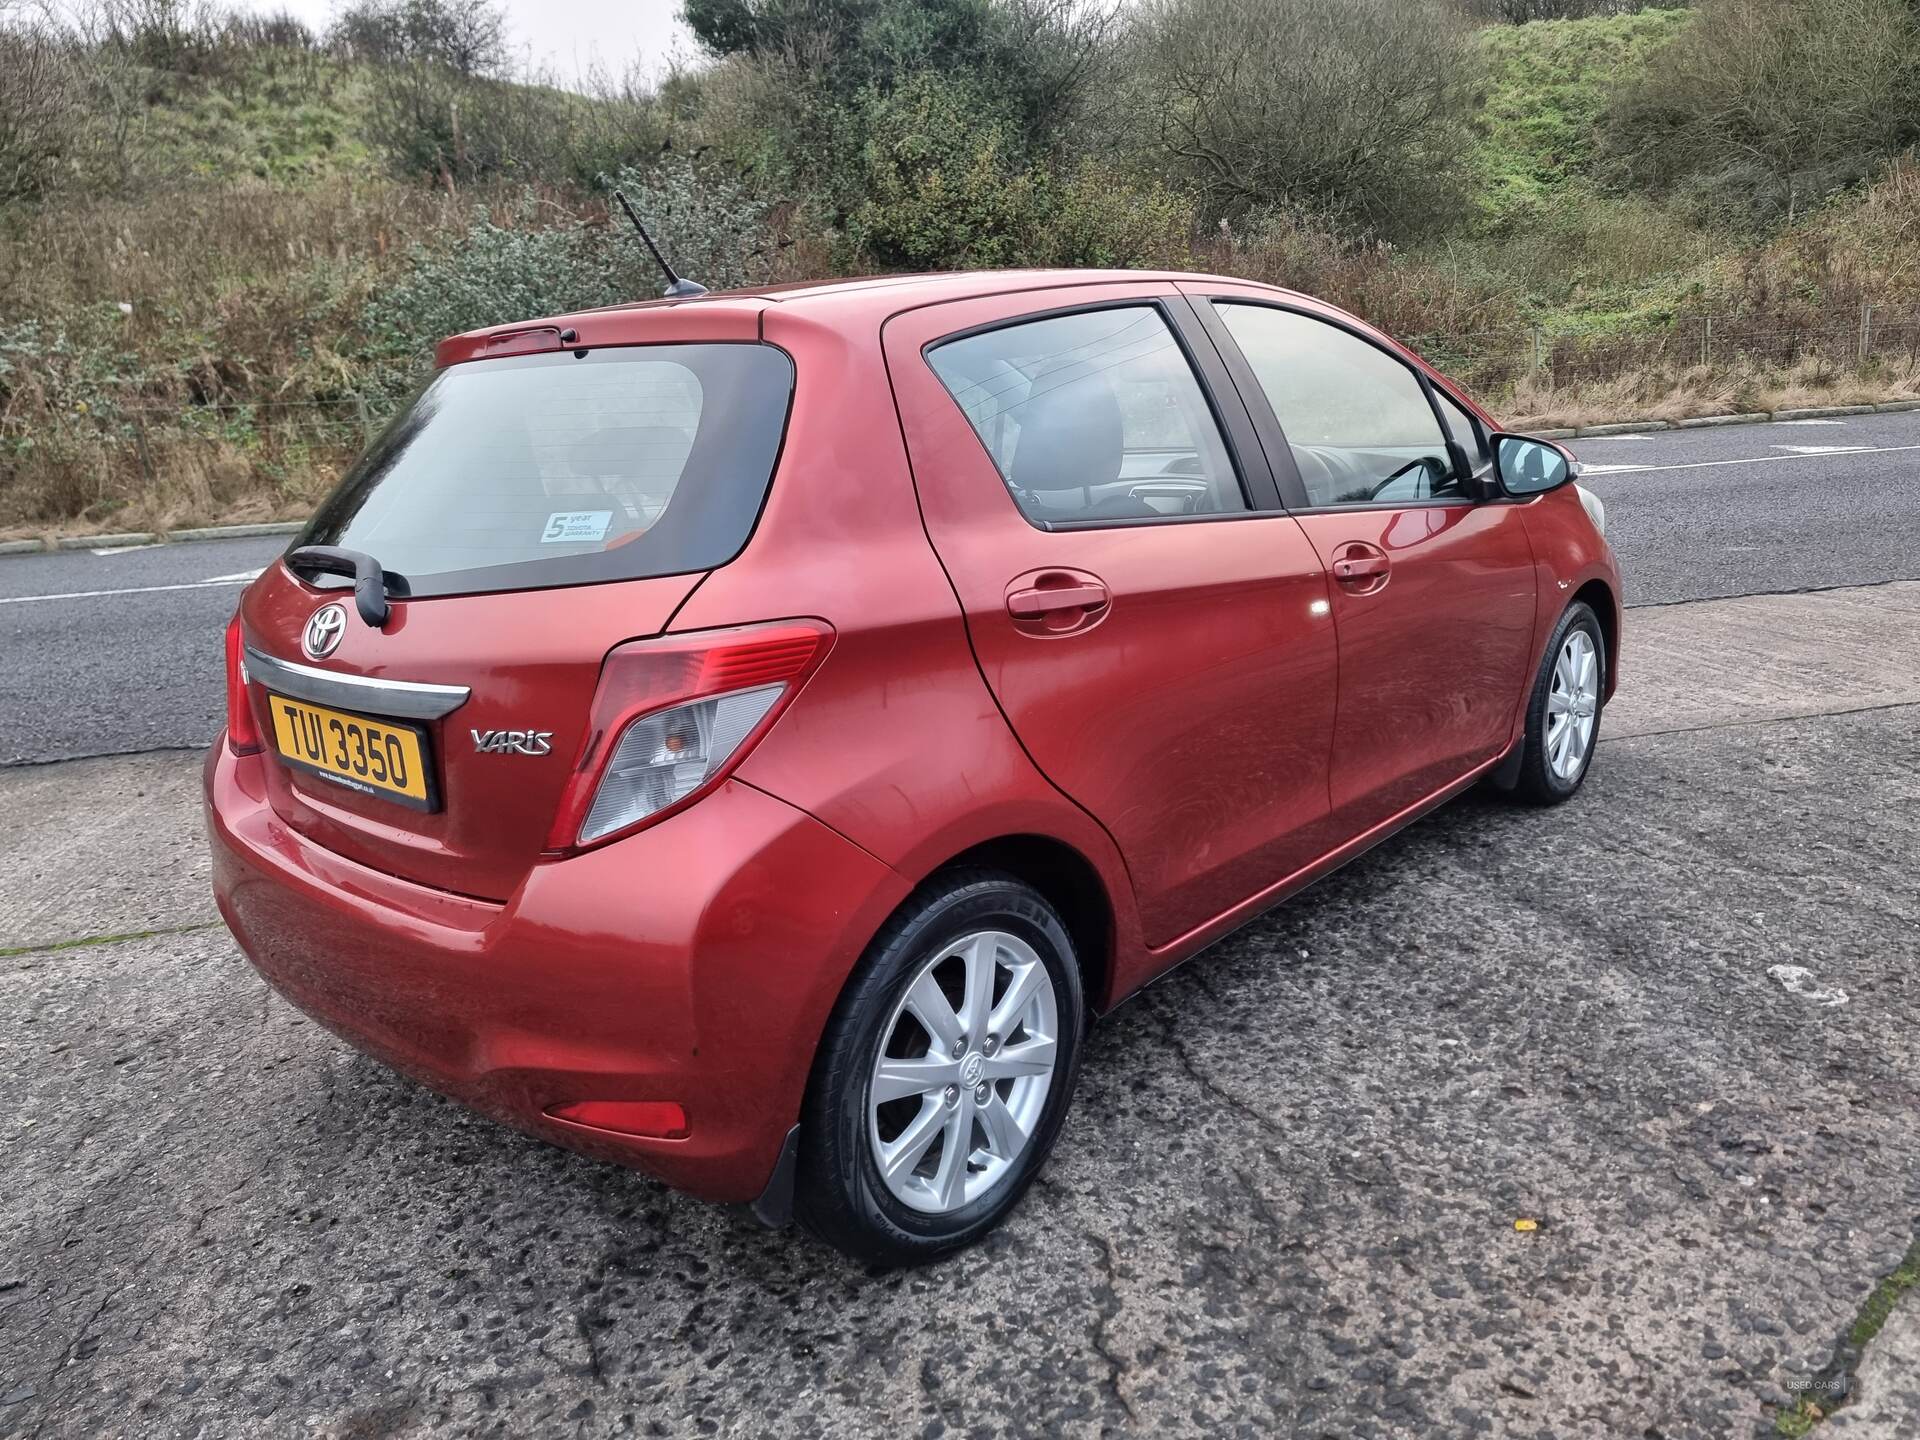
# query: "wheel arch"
[[1600, 598], [1071, 883]]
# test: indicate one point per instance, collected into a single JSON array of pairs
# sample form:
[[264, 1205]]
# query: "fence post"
[[1706, 340], [1533, 369], [146, 456], [1866, 330]]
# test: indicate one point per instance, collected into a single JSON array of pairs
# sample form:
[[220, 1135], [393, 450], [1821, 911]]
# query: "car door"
[[1153, 624], [1433, 588]]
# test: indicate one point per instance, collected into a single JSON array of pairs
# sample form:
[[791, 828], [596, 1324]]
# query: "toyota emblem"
[[324, 630]]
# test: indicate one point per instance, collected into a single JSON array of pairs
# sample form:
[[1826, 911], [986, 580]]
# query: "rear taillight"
[[673, 716], [243, 735]]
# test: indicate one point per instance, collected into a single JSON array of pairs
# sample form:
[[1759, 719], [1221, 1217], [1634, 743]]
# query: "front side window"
[[1356, 419], [1092, 417]]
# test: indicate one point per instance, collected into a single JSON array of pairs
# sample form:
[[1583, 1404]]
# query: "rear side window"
[[559, 469], [1092, 417]]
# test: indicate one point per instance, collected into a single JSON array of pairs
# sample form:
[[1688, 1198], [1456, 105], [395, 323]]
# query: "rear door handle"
[[1034, 602], [1055, 602]]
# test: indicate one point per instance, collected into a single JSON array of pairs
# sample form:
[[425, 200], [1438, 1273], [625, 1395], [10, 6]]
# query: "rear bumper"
[[695, 962]]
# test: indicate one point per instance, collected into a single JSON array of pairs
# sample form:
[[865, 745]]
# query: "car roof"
[[904, 291], [867, 299]]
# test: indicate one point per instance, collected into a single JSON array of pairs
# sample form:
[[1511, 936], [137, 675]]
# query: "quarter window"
[[1466, 432], [1357, 420], [1094, 416]]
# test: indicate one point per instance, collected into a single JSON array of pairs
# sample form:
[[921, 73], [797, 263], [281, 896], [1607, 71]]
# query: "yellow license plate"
[[375, 757]]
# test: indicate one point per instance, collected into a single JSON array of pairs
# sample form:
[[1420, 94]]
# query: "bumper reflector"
[[654, 1119]]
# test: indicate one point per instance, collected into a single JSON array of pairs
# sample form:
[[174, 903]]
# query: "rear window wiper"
[[371, 584]]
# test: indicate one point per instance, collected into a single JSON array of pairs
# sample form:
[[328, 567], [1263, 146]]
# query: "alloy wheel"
[[961, 1078], [1573, 704]]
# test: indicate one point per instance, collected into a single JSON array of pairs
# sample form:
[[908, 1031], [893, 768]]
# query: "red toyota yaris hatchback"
[[748, 737]]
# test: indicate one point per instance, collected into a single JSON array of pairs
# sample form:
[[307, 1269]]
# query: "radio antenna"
[[677, 288]]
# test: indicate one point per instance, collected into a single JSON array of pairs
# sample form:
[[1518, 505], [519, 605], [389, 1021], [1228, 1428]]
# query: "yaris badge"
[[513, 742]]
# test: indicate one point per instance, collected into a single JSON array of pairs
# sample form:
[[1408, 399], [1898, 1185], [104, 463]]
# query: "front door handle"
[[1361, 567]]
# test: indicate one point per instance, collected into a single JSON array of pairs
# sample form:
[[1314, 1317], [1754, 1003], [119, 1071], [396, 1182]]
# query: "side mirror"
[[1525, 466]]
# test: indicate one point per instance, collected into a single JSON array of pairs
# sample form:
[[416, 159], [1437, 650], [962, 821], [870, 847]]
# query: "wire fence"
[[1493, 362]]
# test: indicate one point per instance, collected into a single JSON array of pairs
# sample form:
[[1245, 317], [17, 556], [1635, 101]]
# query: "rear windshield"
[[565, 469]]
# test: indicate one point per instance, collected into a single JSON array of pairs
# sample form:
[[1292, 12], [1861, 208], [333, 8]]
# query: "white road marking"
[[1798, 980], [98, 594], [1586, 469], [240, 575], [1751, 460], [1821, 449], [124, 549], [1809, 422]]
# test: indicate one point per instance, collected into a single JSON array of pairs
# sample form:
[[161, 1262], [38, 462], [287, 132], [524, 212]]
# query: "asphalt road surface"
[[104, 654], [1744, 509], [119, 652], [1670, 1023]]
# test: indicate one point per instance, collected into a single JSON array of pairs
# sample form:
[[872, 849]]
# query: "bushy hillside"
[[284, 117], [1548, 85], [237, 243]]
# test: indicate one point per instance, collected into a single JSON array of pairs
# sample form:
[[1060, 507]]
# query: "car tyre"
[[953, 927], [1564, 710]]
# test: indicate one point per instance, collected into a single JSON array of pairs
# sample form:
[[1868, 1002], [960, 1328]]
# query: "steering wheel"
[[1421, 464]]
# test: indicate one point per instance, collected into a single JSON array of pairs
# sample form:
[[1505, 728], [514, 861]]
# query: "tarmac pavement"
[[1670, 1023]]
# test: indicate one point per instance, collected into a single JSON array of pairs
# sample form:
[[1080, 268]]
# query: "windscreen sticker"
[[574, 527]]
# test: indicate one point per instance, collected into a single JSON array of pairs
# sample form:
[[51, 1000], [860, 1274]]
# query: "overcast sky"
[[566, 36]]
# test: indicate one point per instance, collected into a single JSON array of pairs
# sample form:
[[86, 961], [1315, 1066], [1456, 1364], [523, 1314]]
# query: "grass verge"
[[1837, 1380]]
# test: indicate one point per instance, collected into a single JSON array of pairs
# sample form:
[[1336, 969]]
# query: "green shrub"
[[40, 113], [1356, 109], [1523, 12], [532, 257], [948, 187], [1548, 88], [708, 224], [526, 262], [802, 84], [1763, 107], [1031, 57]]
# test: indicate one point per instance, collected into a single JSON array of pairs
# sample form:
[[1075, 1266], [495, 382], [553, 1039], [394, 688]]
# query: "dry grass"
[[165, 478], [1401, 293], [1704, 390], [229, 392], [1859, 248], [230, 385], [252, 274]]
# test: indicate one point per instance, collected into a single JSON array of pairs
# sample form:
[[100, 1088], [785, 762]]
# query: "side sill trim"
[[409, 699]]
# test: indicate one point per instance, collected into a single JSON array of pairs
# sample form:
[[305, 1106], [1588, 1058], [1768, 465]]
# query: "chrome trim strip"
[[408, 699]]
